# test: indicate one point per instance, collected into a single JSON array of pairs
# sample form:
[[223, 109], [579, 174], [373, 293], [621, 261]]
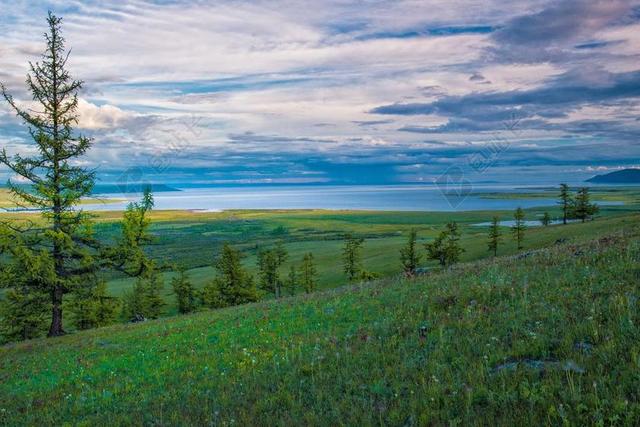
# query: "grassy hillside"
[[193, 239], [545, 337], [321, 232]]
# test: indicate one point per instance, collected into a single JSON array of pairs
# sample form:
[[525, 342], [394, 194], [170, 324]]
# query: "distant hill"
[[625, 176]]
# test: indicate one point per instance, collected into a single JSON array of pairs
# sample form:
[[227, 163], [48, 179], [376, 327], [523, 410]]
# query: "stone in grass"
[[423, 331], [540, 366], [584, 347], [138, 318]]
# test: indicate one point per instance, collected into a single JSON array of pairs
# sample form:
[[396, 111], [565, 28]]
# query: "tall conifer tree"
[[58, 252], [565, 202]]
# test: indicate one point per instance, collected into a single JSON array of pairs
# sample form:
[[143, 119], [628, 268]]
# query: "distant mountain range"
[[624, 176]]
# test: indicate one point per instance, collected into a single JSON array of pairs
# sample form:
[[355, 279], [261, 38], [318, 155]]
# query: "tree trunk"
[[56, 314]]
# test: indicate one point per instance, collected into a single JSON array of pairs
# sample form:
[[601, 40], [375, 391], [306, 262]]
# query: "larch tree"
[[58, 252], [185, 291], [409, 256], [308, 273], [583, 209], [291, 282], [129, 257], [494, 235], [352, 257], [25, 312], [446, 247], [565, 201], [269, 263], [546, 219], [233, 285], [519, 227]]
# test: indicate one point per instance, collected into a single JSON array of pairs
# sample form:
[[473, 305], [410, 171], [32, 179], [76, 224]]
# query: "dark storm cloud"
[[549, 34], [477, 110]]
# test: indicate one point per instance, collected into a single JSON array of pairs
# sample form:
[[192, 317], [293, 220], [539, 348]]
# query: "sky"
[[337, 91]]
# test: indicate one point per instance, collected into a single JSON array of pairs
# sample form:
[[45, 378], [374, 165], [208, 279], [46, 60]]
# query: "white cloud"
[[94, 117], [150, 66]]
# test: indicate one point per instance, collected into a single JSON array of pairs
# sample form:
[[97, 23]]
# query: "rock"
[[423, 331], [138, 318], [540, 366], [583, 346], [525, 254], [421, 271]]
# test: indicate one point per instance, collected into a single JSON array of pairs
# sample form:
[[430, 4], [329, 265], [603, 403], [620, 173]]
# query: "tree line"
[[446, 248]]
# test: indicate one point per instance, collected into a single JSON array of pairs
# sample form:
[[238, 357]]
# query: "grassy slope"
[[564, 320], [194, 238], [321, 232]]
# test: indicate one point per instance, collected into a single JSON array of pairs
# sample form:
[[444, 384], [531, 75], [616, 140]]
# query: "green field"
[[193, 239], [547, 337]]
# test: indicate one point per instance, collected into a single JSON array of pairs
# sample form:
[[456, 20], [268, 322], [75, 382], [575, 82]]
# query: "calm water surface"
[[363, 197]]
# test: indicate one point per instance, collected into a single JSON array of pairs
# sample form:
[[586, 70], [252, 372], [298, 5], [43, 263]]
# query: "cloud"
[[95, 117], [548, 33], [267, 86], [485, 111]]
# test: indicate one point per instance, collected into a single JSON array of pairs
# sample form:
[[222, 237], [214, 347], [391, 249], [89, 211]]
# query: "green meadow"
[[545, 337], [192, 239]]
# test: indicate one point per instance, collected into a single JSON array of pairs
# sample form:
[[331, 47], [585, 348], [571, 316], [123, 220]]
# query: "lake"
[[357, 197]]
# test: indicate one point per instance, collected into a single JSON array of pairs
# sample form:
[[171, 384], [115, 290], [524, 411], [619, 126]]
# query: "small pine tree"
[[184, 291], [145, 300], [546, 219], [583, 208], [352, 257], [233, 285], [153, 289], [446, 247], [519, 227], [129, 255], [494, 235], [269, 263], [409, 256], [24, 314], [106, 306], [565, 202], [135, 302], [91, 306], [210, 295], [82, 306], [308, 273], [292, 280]]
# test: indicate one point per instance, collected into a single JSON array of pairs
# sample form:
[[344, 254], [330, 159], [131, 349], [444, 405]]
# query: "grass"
[[546, 337]]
